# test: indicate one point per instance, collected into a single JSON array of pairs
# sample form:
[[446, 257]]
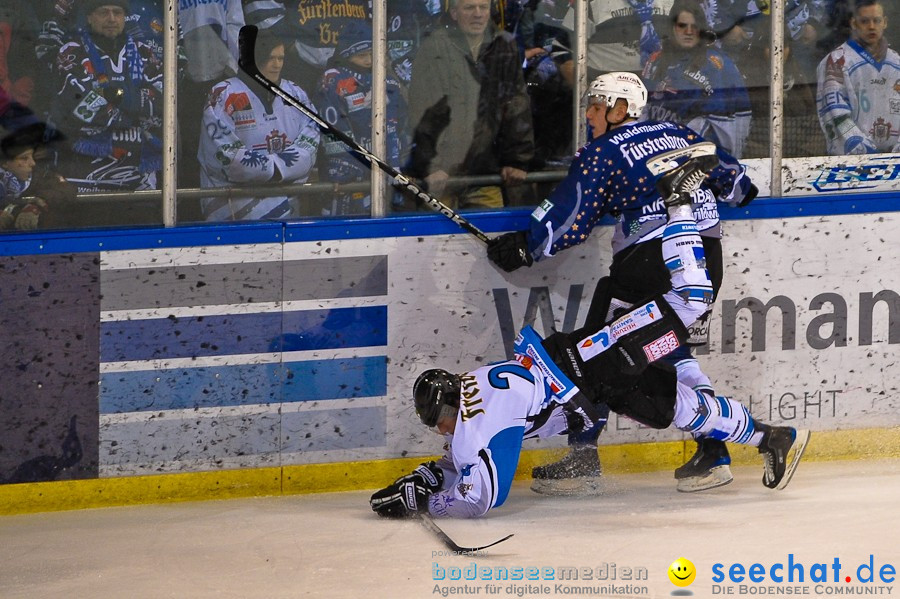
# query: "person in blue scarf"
[[109, 102], [346, 103]]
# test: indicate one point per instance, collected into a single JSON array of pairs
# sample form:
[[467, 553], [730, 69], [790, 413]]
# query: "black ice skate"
[[708, 468], [577, 473], [782, 447]]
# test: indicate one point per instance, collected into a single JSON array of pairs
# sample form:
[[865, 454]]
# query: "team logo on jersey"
[[464, 488], [881, 130], [276, 142], [346, 86], [238, 107], [238, 102]]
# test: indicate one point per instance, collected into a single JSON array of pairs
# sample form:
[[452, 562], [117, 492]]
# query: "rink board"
[[290, 353]]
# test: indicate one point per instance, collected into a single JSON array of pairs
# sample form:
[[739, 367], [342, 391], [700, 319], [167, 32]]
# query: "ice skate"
[[578, 473], [707, 469], [677, 185], [782, 447]]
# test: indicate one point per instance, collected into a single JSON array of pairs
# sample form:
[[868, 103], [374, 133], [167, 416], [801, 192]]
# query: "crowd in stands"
[[474, 88]]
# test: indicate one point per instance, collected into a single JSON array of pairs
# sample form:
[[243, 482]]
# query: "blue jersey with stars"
[[610, 176]]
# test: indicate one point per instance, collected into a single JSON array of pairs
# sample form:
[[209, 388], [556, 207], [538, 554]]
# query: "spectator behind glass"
[[858, 93], [695, 84], [250, 136], [346, 103], [210, 43], [109, 104], [469, 108], [622, 34], [31, 196], [310, 30]]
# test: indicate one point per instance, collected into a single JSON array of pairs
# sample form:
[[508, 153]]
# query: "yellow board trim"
[[354, 476]]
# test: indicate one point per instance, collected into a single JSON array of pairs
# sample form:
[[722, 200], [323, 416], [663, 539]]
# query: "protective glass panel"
[[858, 94], [81, 112], [469, 114], [254, 149]]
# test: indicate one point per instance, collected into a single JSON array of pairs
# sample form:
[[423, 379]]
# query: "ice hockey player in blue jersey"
[[612, 175]]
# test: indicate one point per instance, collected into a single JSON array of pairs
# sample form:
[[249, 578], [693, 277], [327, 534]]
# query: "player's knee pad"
[[650, 402], [648, 332]]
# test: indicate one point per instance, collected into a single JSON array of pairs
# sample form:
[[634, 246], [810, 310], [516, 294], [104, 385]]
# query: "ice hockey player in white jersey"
[[485, 414], [250, 136], [858, 93]]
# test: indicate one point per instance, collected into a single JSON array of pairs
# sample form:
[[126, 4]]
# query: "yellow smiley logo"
[[682, 572]]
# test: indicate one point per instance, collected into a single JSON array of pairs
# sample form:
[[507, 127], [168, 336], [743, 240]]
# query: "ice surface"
[[333, 546]]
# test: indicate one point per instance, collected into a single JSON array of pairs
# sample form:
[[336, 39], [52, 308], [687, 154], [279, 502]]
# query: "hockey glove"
[[428, 475], [510, 251], [408, 494], [749, 197]]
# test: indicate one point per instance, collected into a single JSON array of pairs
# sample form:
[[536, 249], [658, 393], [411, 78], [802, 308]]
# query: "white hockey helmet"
[[620, 84]]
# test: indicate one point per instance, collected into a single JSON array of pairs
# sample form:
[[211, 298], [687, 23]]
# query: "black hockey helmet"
[[433, 390]]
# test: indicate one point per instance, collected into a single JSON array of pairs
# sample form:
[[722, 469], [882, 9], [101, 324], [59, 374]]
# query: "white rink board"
[[448, 318], [445, 305]]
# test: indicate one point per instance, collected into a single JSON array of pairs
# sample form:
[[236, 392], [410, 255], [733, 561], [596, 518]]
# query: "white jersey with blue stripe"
[[500, 405]]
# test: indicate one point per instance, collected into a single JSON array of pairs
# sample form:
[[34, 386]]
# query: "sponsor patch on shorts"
[[661, 347]]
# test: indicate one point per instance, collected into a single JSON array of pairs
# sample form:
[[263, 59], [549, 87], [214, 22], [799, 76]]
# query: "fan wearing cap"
[[109, 103], [345, 101], [696, 84]]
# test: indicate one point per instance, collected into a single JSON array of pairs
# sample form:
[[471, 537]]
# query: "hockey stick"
[[429, 523], [247, 63]]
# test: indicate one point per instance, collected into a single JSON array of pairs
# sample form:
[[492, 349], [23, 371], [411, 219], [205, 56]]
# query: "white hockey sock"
[[682, 250], [689, 373], [722, 418]]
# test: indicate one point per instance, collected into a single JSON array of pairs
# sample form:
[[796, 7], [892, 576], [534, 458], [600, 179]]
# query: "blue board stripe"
[[244, 384], [222, 335]]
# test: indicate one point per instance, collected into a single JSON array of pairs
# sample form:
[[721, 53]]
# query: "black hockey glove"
[[408, 494], [510, 251], [751, 195]]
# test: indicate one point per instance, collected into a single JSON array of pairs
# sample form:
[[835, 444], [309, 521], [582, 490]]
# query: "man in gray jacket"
[[488, 130]]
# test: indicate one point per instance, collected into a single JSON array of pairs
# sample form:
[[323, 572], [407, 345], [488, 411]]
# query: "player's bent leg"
[[709, 467]]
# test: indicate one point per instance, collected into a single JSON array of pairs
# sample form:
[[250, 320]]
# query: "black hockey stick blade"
[[247, 63], [429, 523]]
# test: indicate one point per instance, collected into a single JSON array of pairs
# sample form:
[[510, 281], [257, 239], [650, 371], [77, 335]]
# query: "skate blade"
[[797, 448], [582, 486], [718, 476]]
